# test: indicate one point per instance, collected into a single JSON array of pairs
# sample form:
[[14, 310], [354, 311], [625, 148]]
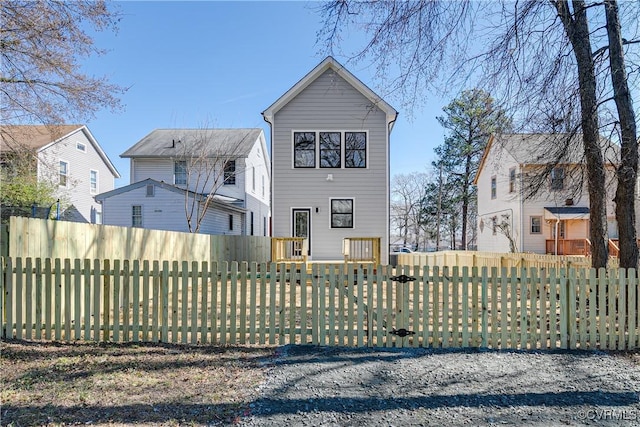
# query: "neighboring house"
[[174, 171], [69, 157], [330, 153], [554, 221]]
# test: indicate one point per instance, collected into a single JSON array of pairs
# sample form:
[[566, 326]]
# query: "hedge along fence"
[[222, 303], [39, 238]]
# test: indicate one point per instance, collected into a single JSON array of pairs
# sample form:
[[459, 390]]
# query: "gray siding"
[[331, 104], [78, 190]]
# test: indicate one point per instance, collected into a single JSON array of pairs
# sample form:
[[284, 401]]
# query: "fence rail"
[[231, 303]]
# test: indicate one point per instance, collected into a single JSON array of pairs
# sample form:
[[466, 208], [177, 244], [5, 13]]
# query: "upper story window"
[[536, 225], [81, 147], [557, 178], [494, 187], [333, 149], [151, 190], [304, 149], [330, 150], [512, 180], [180, 172], [230, 172], [342, 213], [355, 150], [93, 181], [64, 173]]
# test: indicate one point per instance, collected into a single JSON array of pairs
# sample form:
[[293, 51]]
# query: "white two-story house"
[[556, 220], [330, 151], [211, 181], [70, 158]]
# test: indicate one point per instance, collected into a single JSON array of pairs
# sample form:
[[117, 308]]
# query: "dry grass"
[[46, 383]]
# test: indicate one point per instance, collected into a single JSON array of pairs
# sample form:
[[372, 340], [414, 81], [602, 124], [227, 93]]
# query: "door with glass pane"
[[302, 227]]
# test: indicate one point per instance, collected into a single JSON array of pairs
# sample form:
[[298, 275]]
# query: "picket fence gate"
[[321, 304]]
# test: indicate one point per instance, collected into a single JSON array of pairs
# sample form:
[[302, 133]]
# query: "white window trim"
[[531, 224], [91, 190], [493, 179], [67, 175], [186, 174], [83, 150], [141, 216], [342, 148], [353, 212]]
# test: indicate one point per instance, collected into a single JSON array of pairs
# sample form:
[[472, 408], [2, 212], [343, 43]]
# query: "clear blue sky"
[[220, 64]]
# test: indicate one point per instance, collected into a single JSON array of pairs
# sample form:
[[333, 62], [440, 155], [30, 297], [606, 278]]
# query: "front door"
[[302, 225]]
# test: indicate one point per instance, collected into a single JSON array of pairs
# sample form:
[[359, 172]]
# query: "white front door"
[[302, 225]]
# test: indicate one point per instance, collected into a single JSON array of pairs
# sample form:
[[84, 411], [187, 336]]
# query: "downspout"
[[271, 180], [390, 124], [522, 219], [556, 234]]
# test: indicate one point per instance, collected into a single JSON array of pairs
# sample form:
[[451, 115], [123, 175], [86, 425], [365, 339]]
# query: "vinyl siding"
[[78, 190], [165, 211], [331, 104], [498, 164]]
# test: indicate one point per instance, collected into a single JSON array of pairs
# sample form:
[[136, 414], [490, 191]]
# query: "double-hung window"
[[536, 225], [136, 216], [304, 149], [512, 180], [63, 174], [342, 213], [557, 178], [494, 187], [180, 172], [93, 181], [230, 172], [330, 150], [355, 149]]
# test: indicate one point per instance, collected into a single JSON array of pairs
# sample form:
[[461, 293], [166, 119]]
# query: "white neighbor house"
[[330, 152], [171, 167], [557, 219], [69, 157]]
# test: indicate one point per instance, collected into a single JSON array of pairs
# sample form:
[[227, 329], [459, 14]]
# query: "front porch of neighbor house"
[[568, 230]]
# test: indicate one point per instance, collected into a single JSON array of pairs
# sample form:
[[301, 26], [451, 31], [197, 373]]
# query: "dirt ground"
[[170, 385]]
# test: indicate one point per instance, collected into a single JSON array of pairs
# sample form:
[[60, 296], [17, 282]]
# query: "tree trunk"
[[627, 171], [577, 29]]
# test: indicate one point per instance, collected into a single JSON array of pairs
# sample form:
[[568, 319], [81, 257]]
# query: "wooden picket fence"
[[358, 305]]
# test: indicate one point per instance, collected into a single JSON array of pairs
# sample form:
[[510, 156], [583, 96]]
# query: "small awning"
[[566, 213]]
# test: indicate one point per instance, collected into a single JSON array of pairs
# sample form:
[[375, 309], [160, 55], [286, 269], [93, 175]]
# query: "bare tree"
[[628, 169], [207, 160], [528, 53], [41, 45], [407, 194]]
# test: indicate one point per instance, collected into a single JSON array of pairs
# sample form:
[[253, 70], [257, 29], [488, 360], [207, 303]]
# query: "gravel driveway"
[[328, 386]]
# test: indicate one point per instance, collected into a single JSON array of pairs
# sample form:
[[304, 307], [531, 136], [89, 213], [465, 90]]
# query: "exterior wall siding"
[[78, 190], [331, 104]]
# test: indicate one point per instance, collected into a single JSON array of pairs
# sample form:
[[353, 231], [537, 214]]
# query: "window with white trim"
[[512, 180], [151, 190], [494, 187], [355, 149], [63, 174], [230, 172], [93, 181], [330, 150], [341, 213], [81, 147], [557, 178], [536, 225], [304, 149], [180, 172], [136, 216]]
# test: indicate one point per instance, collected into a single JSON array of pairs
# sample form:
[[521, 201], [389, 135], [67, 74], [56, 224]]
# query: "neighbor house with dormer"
[[211, 181], [330, 152]]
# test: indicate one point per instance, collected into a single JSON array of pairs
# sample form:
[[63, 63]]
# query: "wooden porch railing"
[[289, 249], [614, 247], [361, 249], [569, 247]]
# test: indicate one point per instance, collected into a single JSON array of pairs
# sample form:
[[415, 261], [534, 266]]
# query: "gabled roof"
[[172, 143], [40, 137], [545, 148], [330, 63], [226, 201]]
